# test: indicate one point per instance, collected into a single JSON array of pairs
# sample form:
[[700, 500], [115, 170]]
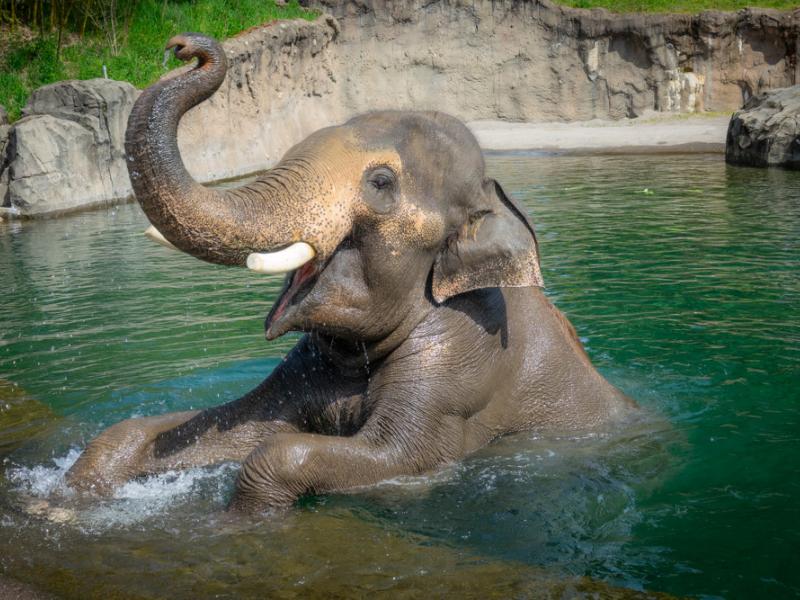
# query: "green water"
[[686, 295]]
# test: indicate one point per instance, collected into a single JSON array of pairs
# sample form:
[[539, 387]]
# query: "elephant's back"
[[557, 385]]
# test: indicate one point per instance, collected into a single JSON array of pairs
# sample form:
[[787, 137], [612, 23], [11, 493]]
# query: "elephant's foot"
[[150, 445], [288, 466], [120, 453]]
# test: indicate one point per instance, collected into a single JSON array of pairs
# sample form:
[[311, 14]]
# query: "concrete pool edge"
[[656, 135]]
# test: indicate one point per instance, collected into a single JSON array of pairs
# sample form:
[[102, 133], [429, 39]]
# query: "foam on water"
[[44, 481], [158, 495], [45, 493]]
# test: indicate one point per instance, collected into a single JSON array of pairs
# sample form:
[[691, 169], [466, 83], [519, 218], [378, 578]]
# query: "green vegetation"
[[679, 6], [43, 41]]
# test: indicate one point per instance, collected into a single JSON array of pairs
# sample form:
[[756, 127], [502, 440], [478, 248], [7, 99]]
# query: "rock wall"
[[514, 60], [280, 87], [531, 60], [5, 134]]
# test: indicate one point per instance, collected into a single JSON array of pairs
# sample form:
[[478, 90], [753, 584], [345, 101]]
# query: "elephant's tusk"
[[282, 261], [155, 235]]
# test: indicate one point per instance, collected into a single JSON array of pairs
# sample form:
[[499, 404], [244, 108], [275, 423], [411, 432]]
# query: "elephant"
[[413, 278]]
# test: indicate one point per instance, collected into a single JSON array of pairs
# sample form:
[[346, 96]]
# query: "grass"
[[679, 6], [28, 62]]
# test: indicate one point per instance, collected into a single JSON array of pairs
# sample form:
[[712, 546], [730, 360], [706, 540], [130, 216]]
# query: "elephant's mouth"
[[297, 287], [288, 311]]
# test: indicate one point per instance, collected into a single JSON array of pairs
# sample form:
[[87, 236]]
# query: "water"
[[682, 277]]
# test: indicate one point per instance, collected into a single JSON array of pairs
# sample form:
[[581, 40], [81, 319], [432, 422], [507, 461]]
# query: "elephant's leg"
[[117, 454], [304, 382], [418, 421], [288, 466], [149, 445]]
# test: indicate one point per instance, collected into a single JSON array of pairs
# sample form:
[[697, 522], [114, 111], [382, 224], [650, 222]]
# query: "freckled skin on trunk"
[[427, 332], [221, 227]]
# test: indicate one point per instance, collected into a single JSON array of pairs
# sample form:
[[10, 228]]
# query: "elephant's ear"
[[496, 247]]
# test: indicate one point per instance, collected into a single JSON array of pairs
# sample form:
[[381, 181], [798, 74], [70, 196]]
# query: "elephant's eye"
[[382, 179], [380, 189]]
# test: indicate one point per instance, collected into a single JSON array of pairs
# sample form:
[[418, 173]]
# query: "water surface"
[[682, 276]]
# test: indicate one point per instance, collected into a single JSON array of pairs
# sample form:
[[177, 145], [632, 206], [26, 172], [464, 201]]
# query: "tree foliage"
[[111, 18]]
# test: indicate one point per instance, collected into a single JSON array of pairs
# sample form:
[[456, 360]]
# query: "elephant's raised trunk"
[[217, 226]]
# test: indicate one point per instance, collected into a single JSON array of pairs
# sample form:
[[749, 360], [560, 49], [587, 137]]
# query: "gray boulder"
[[96, 104], [766, 132], [68, 149], [55, 166], [3, 116]]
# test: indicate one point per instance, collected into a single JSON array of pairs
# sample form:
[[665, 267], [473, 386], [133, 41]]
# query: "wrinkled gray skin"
[[428, 335]]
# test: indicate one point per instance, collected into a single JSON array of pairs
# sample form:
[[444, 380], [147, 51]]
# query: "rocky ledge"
[[766, 132]]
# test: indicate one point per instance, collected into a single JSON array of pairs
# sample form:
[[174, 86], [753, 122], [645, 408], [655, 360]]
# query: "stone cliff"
[[514, 60], [281, 86], [529, 60]]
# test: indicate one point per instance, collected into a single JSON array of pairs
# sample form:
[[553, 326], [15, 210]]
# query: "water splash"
[[43, 492], [44, 481]]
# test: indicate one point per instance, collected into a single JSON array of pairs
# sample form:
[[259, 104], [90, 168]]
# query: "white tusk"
[[282, 261], [155, 235]]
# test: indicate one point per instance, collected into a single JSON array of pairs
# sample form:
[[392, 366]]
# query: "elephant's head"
[[374, 218]]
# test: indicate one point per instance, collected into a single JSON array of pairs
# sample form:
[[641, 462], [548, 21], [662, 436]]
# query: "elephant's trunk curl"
[[222, 227]]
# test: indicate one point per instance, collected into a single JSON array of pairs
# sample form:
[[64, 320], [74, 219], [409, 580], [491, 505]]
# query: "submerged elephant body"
[[427, 337]]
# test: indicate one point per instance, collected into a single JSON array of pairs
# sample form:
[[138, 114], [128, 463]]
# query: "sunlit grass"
[[28, 64], [680, 6]]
